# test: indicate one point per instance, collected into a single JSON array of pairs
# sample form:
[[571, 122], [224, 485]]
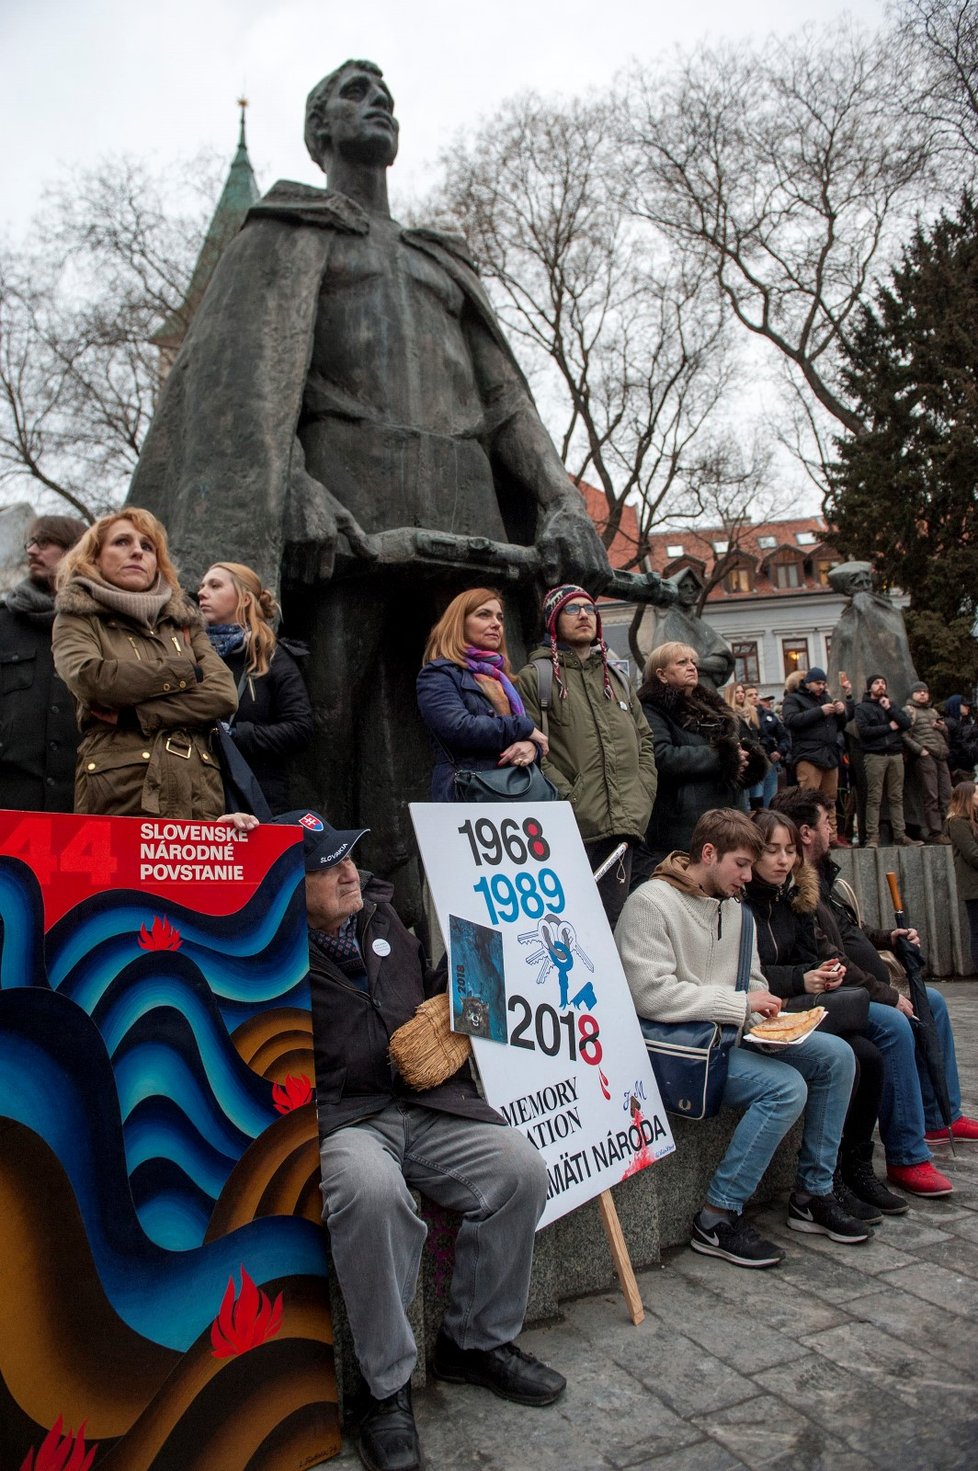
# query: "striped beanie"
[[553, 604]]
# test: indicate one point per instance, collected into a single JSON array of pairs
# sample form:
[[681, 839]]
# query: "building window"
[[767, 542], [828, 648], [806, 538], [676, 550], [786, 574], [738, 580], [721, 546], [747, 669], [795, 654]]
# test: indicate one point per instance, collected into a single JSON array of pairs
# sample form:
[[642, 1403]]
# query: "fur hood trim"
[[78, 601], [805, 896]]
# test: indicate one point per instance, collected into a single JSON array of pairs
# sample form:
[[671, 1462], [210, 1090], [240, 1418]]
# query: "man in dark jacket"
[[38, 731], [380, 1138], [815, 723], [881, 726]]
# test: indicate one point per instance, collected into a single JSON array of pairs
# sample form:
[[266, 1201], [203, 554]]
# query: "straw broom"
[[425, 1050]]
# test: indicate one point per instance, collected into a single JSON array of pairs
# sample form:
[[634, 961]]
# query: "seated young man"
[[679, 940], [379, 1137], [910, 1119]]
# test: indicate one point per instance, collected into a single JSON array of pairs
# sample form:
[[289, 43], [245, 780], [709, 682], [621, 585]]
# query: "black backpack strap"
[[545, 691]]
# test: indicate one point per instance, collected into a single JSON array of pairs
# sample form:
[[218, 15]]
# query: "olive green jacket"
[[964, 846], [146, 701], [601, 757]]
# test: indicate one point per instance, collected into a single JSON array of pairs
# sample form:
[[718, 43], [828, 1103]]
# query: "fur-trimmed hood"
[[75, 599], [706, 714], [805, 894]]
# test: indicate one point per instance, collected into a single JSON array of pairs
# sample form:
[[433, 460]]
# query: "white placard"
[[574, 1074]]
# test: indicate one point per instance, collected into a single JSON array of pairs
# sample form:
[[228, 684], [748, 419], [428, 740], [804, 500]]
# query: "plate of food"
[[786, 1029]]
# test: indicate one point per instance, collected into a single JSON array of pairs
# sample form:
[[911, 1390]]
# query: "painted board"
[[572, 1071], [163, 1288]]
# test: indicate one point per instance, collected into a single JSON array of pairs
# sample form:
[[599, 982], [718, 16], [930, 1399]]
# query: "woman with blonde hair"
[[466, 696], [704, 754], [962, 829], [274, 716], [148, 687]]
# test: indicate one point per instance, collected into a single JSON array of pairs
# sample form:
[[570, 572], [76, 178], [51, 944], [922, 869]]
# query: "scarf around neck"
[[30, 601], [140, 607], [226, 638], [490, 666]]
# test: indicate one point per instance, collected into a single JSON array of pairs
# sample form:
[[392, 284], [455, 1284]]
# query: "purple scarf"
[[478, 661]]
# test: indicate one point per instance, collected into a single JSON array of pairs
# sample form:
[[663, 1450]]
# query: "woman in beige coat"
[[148, 686]]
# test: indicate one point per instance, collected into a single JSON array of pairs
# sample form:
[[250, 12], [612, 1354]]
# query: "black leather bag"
[[847, 1009], [504, 784], [691, 1059], [241, 790]]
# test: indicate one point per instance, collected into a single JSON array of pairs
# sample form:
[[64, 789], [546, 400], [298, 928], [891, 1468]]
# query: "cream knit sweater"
[[680, 951]]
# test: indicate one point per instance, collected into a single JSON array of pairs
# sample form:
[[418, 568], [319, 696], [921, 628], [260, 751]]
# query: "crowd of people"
[[704, 809]]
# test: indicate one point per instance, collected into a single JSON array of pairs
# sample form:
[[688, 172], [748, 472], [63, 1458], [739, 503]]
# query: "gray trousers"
[[884, 776], [489, 1173]]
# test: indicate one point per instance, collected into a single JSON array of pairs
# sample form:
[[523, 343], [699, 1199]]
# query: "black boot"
[[388, 1439], [856, 1168], [860, 1210]]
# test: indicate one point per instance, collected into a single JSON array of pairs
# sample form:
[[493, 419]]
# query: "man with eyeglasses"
[[600, 757], [38, 734]]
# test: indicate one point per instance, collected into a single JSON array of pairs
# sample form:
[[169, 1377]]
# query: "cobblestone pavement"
[[842, 1359]]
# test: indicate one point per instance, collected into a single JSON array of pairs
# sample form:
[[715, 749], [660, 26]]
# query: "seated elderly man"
[[679, 940], [368, 975]]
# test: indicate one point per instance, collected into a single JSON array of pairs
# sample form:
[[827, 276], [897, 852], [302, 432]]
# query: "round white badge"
[[381, 947]]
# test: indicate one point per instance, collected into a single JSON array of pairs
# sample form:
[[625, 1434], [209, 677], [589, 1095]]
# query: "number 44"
[[88, 851]]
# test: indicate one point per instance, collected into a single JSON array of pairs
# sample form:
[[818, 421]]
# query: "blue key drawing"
[[556, 942]]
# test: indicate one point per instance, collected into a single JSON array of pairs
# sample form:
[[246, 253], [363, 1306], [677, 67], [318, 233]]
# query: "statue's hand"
[[571, 551]]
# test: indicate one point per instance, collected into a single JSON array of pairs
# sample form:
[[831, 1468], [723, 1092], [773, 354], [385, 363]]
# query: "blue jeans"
[[767, 786], [909, 1105], [816, 1077]]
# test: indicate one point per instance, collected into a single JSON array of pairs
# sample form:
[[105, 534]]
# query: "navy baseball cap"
[[323, 846]]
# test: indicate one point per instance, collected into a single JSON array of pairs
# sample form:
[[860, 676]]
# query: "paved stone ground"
[[842, 1359]]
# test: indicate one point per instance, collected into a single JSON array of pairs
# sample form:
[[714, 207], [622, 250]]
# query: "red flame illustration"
[[643, 1158], [246, 1322], [161, 937], [293, 1093], [57, 1454], [606, 1092]]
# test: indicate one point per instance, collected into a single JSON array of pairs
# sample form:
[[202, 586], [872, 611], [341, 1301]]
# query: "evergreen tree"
[[903, 492]]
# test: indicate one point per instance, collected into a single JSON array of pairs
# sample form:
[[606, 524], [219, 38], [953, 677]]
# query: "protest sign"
[[164, 1297], [572, 1071]]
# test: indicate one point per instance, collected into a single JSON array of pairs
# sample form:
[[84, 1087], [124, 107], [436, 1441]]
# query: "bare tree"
[[629, 341], [942, 37], [107, 265], [785, 171]]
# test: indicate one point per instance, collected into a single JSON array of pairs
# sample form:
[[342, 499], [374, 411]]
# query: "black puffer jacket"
[[697, 739], [352, 1028], [814, 735], [274, 720], [38, 731]]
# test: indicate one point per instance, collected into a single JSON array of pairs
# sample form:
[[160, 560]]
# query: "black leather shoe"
[[506, 1370], [388, 1438]]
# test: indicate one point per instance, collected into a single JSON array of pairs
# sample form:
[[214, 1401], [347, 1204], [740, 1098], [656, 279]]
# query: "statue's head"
[[688, 587], [852, 577], [351, 112]]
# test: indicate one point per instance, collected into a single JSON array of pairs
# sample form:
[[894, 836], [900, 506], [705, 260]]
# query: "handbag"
[[503, 784], [241, 790], [690, 1059], [847, 1009]]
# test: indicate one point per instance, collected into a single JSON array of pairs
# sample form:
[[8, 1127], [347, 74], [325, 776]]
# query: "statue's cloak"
[[222, 466]]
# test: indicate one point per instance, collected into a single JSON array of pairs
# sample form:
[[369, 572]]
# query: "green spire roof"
[[240, 192]]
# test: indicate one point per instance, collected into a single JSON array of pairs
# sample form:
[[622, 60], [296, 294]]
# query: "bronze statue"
[[347, 418], [682, 624], [870, 637]]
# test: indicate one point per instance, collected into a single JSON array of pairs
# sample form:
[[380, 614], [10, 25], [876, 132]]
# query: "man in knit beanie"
[[38, 732], [601, 758]]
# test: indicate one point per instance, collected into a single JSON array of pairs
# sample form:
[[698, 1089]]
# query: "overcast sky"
[[86, 78]]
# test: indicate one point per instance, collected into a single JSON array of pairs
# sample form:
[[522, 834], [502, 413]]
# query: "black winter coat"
[[786, 941], [876, 735], [38, 730], [814, 735], [273, 722], [352, 1028], [697, 740], [773, 733]]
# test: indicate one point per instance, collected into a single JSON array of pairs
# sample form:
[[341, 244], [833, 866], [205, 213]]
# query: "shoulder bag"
[[690, 1059]]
